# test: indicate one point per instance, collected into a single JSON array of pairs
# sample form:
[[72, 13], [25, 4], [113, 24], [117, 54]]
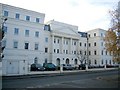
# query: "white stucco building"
[[28, 40]]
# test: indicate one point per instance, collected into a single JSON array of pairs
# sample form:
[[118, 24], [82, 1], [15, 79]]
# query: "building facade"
[[28, 40]]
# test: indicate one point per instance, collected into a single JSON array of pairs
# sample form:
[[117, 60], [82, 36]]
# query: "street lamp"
[[87, 54]]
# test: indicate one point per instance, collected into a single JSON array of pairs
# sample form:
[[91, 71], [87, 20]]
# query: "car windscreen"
[[38, 65]]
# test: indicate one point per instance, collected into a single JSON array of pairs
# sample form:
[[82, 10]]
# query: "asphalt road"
[[106, 79]]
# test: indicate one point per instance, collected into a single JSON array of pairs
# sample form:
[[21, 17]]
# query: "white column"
[[62, 43], [52, 49], [70, 46]]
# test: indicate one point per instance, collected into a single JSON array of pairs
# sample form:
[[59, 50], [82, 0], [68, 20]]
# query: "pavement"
[[35, 74]]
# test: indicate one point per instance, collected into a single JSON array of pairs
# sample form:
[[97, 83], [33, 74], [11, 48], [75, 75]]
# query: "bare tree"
[[81, 57]]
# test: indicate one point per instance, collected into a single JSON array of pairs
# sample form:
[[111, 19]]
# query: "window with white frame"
[[6, 13], [26, 45], [102, 61], [57, 50], [15, 44], [66, 51], [46, 50], [16, 31], [54, 40], [26, 32], [58, 41], [80, 44], [94, 43], [17, 16], [106, 62], [54, 51], [36, 34], [94, 34], [27, 18], [66, 42], [36, 46], [102, 52], [46, 39], [95, 52], [37, 20], [95, 61]]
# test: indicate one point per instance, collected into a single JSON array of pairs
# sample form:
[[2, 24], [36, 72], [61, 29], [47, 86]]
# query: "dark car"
[[37, 67], [49, 66], [82, 67], [67, 67]]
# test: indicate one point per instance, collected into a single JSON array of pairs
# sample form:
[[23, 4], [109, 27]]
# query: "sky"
[[86, 14]]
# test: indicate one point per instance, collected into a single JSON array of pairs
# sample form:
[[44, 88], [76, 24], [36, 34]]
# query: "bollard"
[[86, 67], [61, 68], [105, 67]]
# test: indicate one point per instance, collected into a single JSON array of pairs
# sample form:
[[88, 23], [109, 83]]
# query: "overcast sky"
[[86, 14]]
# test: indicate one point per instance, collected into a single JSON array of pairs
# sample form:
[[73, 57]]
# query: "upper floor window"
[[106, 62], [89, 52], [110, 62], [85, 44], [28, 18], [102, 62], [16, 31], [58, 41], [74, 52], [95, 61], [54, 40], [67, 42], [46, 39], [85, 53], [36, 46], [66, 51], [46, 50], [37, 20], [63, 51], [94, 34], [74, 43], [54, 50], [102, 52], [88, 35], [106, 52], [17, 15], [5, 13], [36, 34], [94, 43], [26, 32], [26, 45], [47, 27], [80, 44], [101, 43], [80, 52], [15, 44], [95, 52], [89, 44], [57, 50], [89, 62]]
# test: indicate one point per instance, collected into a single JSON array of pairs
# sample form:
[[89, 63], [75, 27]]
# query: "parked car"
[[37, 67], [49, 66], [67, 67], [82, 67], [75, 66]]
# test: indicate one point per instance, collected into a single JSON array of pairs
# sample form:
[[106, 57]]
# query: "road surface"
[[104, 79]]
